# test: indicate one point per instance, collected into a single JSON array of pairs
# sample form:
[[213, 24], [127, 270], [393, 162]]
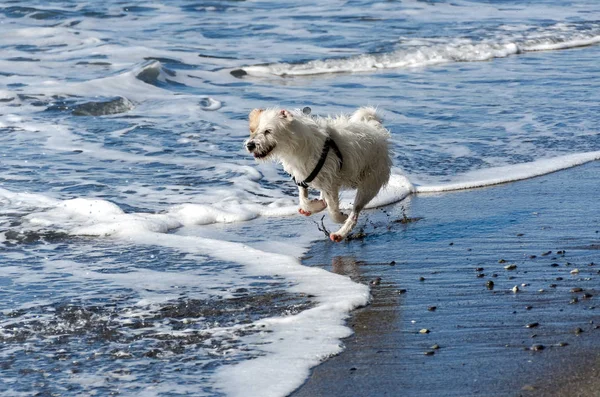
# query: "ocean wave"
[[428, 52]]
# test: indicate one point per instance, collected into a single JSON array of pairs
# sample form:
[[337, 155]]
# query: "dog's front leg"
[[309, 207]]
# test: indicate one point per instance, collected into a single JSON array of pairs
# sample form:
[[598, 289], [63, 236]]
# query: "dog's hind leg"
[[309, 207], [332, 198], [366, 191]]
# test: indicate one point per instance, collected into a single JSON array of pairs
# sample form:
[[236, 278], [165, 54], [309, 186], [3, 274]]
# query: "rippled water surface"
[[143, 252]]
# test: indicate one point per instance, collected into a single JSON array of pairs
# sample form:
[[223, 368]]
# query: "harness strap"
[[329, 143]]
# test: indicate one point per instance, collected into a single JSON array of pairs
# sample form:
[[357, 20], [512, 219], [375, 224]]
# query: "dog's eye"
[[267, 132]]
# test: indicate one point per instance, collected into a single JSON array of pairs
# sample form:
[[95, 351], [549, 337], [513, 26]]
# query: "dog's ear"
[[284, 114], [253, 118]]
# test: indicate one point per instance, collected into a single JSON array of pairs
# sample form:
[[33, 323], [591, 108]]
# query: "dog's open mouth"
[[264, 153]]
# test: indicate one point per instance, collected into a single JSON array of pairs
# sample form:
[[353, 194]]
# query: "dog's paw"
[[336, 238], [340, 217], [318, 205], [304, 212]]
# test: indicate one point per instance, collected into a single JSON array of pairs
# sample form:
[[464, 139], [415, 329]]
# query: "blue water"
[[138, 110]]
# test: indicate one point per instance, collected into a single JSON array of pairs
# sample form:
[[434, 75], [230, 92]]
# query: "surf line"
[[512, 173]]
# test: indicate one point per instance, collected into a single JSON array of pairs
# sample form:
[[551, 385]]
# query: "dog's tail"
[[367, 114]]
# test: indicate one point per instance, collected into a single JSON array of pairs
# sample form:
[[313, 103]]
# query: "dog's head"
[[268, 132]]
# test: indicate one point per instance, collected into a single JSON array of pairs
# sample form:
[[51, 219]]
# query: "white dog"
[[327, 154]]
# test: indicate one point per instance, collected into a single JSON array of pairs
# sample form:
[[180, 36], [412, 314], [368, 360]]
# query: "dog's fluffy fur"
[[296, 140]]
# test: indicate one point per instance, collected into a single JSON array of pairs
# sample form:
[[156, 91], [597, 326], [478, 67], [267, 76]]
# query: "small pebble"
[[576, 289], [424, 331], [429, 353], [528, 307], [489, 284], [559, 279], [532, 325], [392, 263], [501, 261], [537, 348], [578, 331], [480, 275], [512, 266], [575, 271], [561, 252], [353, 369], [587, 295], [555, 265], [532, 256], [421, 278], [377, 281], [563, 344], [435, 347], [432, 308], [515, 289], [574, 300], [402, 291], [546, 253], [525, 285], [478, 269], [552, 285]]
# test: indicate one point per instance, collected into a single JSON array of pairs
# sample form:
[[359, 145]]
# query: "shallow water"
[[144, 251]]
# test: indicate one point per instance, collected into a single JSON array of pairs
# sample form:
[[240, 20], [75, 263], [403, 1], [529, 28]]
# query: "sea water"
[[143, 252]]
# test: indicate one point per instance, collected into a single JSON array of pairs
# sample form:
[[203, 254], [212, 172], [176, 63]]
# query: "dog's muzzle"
[[250, 146]]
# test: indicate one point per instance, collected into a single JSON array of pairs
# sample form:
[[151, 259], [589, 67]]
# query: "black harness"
[[329, 143]]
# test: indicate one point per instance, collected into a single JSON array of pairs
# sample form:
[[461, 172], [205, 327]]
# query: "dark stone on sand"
[[432, 308], [435, 347], [587, 295], [502, 261], [402, 291], [552, 285], [546, 253], [392, 263], [532, 256], [377, 281], [480, 275], [421, 278], [563, 344], [576, 289], [429, 353], [574, 300], [555, 265], [559, 278], [353, 369], [528, 307], [578, 331], [537, 348], [532, 325], [489, 284], [479, 269]]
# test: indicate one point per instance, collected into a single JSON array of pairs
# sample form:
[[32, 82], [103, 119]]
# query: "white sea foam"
[[427, 52], [511, 173]]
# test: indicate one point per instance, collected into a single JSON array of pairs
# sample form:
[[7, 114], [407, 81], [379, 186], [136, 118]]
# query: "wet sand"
[[445, 319]]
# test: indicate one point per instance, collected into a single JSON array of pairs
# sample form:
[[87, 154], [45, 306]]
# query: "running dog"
[[327, 154]]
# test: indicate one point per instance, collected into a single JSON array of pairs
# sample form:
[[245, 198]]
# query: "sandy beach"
[[489, 291]]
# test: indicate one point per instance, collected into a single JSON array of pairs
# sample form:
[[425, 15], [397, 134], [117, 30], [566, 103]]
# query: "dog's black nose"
[[250, 146]]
